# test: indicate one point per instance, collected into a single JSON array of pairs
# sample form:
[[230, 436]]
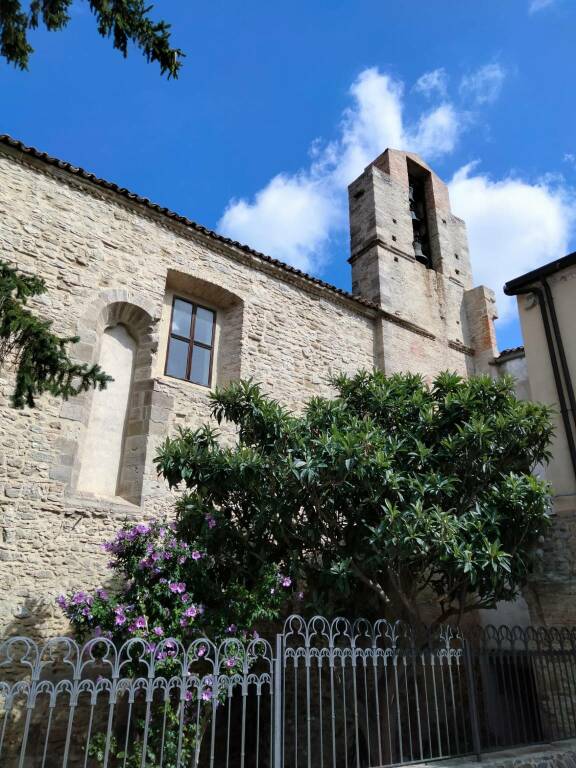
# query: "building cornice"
[[459, 347]]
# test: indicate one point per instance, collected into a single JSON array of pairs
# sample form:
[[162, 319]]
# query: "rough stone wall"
[[103, 257]]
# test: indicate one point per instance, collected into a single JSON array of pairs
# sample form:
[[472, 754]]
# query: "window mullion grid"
[[191, 343], [189, 340]]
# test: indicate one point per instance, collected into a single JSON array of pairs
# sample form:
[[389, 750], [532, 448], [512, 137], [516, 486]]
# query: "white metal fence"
[[323, 694]]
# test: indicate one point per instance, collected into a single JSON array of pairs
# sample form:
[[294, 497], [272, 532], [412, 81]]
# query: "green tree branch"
[[125, 21], [39, 357]]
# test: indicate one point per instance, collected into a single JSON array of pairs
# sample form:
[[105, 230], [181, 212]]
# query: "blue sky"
[[279, 106]]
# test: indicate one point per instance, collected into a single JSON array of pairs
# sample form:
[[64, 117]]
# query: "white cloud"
[[432, 83], [484, 85], [294, 216], [538, 5], [290, 219], [513, 226]]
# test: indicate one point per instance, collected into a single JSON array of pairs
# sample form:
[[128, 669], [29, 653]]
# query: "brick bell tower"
[[410, 256]]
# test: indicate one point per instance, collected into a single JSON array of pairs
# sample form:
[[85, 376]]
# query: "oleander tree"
[[405, 494], [39, 357], [124, 21]]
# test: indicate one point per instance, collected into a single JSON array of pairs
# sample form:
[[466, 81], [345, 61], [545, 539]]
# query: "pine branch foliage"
[[40, 357], [125, 21]]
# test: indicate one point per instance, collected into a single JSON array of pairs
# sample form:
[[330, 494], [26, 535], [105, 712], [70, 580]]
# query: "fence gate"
[[322, 694]]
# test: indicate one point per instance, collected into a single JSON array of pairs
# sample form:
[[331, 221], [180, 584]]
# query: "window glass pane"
[[177, 358], [181, 318], [200, 371], [203, 326]]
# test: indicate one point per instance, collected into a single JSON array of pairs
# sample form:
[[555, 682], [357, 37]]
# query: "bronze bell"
[[418, 249]]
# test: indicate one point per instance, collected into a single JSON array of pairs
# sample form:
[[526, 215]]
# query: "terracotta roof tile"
[[511, 351]]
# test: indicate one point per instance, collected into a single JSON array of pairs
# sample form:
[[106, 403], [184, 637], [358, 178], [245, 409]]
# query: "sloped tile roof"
[[143, 201]]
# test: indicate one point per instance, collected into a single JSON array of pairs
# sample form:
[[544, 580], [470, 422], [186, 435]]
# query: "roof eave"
[[512, 287]]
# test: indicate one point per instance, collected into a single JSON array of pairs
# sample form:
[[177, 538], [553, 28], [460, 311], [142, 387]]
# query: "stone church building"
[[171, 309]]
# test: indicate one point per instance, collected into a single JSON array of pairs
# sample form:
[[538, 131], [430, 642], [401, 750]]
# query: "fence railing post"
[[472, 701], [278, 703]]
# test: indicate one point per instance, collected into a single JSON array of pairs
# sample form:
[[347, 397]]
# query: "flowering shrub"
[[172, 588]]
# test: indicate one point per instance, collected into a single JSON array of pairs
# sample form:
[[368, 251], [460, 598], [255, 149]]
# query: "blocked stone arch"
[[110, 452]]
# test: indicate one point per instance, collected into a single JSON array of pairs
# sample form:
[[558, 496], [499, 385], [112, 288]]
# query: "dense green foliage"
[[125, 21], [40, 357], [393, 490]]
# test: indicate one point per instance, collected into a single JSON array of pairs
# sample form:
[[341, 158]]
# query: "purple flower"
[[102, 594], [158, 631], [207, 694], [202, 651], [119, 620], [177, 586], [188, 696], [77, 598], [231, 662], [191, 612], [300, 596], [285, 581], [140, 622], [182, 560], [196, 555], [211, 521], [231, 629], [62, 602], [142, 529]]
